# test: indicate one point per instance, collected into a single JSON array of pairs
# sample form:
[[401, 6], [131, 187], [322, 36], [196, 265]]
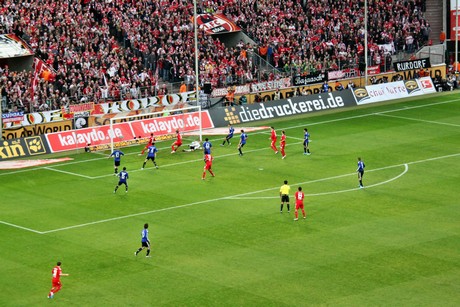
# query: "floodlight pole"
[[195, 25], [456, 35], [365, 42]]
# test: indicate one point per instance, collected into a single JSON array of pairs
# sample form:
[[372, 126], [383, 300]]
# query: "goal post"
[[162, 124]]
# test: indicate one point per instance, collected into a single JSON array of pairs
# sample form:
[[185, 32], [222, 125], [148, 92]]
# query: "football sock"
[[288, 207], [239, 149], [304, 150], [143, 165], [296, 214], [148, 252], [116, 188], [223, 143], [281, 207], [308, 150], [361, 183], [116, 170]]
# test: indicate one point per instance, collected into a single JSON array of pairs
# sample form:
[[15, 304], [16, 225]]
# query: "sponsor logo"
[[412, 86], [360, 92], [35, 146], [309, 79], [231, 116], [288, 107], [34, 130], [18, 148]]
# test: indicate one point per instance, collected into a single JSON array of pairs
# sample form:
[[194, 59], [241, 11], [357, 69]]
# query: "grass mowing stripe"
[[252, 192]]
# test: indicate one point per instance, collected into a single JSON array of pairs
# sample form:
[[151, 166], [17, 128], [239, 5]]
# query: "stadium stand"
[[124, 49]]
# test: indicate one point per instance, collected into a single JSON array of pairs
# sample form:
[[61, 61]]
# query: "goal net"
[[137, 129]]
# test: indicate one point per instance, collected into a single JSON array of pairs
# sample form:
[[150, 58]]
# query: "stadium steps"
[[434, 16]]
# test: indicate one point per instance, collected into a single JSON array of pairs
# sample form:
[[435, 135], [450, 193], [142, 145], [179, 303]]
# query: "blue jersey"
[[306, 138], [231, 130], [361, 166], [151, 151], [145, 235], [116, 154], [123, 175], [207, 147], [243, 138]]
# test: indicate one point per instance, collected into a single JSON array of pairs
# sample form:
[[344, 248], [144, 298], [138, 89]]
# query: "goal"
[[135, 129]]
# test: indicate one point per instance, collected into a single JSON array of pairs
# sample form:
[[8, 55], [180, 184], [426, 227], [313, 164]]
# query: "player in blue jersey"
[[306, 141], [231, 130], [360, 171], [151, 155], [243, 138], [116, 154], [145, 242], [207, 147], [123, 179]]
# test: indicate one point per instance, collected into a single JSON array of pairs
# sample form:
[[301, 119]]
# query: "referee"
[[284, 194]]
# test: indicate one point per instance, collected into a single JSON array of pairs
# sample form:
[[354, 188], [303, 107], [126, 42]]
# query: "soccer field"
[[223, 242]]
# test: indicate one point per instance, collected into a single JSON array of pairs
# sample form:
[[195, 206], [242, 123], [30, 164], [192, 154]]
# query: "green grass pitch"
[[223, 241]]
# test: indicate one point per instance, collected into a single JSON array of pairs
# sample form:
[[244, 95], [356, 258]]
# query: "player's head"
[[153, 143], [305, 129], [300, 189], [151, 134], [359, 158], [273, 128], [124, 168], [146, 225], [58, 263], [242, 131], [283, 132], [285, 181], [177, 131], [206, 139]]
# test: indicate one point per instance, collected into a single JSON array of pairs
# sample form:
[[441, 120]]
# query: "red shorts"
[[177, 143], [298, 206], [56, 283], [207, 166]]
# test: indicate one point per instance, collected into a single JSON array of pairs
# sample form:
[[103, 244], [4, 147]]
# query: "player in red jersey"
[[273, 138], [299, 197], [177, 143], [151, 140], [56, 280], [207, 167], [283, 144]]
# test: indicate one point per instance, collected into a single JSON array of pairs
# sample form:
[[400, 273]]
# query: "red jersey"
[[179, 137], [56, 273], [208, 160], [151, 140], [273, 136], [283, 140], [299, 196]]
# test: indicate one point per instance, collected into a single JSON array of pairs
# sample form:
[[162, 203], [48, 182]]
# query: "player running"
[[116, 154], [231, 130], [123, 179], [151, 155], [145, 242], [243, 138], [177, 143], [207, 167], [56, 280], [150, 143]]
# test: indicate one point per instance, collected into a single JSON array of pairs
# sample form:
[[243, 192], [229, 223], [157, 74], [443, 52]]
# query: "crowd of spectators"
[[120, 49]]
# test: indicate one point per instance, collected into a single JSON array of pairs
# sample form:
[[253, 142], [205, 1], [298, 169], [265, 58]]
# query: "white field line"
[[406, 169], [21, 227], [418, 120], [405, 108], [230, 197], [68, 173]]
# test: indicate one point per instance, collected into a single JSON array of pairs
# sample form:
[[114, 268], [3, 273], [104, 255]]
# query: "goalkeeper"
[[193, 146]]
